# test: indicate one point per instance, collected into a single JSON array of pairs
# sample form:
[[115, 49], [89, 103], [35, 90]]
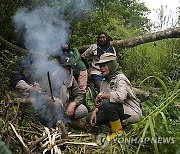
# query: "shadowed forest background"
[[152, 67]]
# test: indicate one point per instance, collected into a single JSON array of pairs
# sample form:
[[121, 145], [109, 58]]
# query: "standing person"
[[116, 103], [80, 71], [95, 51]]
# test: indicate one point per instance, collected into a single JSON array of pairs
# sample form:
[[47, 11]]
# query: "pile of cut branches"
[[23, 131]]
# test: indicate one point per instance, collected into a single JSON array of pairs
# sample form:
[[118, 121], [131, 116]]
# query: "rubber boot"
[[116, 128]]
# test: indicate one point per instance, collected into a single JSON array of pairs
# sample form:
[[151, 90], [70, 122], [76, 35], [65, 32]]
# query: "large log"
[[12, 47], [146, 38], [126, 43]]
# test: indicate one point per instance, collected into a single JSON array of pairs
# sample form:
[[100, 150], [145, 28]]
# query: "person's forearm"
[[96, 110], [104, 96], [74, 104]]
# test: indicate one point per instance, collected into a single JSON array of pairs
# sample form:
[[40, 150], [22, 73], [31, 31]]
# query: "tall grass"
[[159, 59], [149, 121]]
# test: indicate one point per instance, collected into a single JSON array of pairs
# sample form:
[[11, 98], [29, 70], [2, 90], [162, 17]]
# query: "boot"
[[116, 128]]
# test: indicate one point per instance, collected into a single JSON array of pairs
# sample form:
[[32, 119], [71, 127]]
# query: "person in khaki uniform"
[[116, 103], [69, 92], [94, 52]]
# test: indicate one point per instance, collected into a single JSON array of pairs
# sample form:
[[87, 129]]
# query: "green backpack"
[[90, 96]]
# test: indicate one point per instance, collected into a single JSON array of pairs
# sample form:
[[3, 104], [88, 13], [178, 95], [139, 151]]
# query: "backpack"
[[90, 96]]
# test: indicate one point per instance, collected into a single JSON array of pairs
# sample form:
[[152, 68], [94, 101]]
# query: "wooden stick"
[[40, 143], [49, 80], [56, 142], [24, 146]]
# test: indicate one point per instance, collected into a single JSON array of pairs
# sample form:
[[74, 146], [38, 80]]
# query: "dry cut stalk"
[[51, 146], [24, 146], [34, 143], [81, 143], [63, 129]]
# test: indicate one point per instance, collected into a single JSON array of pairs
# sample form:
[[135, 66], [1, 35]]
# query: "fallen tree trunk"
[[132, 42], [12, 47], [151, 37]]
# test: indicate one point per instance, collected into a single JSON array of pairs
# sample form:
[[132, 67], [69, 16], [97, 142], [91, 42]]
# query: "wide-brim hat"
[[106, 57]]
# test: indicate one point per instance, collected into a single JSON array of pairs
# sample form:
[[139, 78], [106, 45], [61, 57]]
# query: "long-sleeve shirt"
[[91, 52], [68, 90], [120, 90]]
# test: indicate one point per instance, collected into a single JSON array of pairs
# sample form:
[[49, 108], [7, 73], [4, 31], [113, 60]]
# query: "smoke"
[[45, 29]]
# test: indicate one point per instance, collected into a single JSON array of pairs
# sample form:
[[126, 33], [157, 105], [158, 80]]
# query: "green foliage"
[[161, 117], [120, 19], [25, 120], [131, 11], [8, 63], [134, 13], [8, 8], [159, 59]]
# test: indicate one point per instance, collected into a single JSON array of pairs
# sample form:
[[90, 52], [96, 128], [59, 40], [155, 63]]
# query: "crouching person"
[[116, 103], [22, 83], [70, 93]]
